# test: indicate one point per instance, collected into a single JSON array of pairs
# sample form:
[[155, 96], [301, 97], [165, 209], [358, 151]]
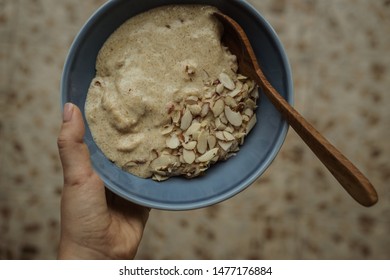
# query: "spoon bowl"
[[348, 175]]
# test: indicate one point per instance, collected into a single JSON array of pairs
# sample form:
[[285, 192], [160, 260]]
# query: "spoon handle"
[[353, 181]]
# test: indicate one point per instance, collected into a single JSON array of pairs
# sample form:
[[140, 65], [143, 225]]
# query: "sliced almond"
[[244, 94], [167, 129], [237, 90], [250, 104], [163, 162], [251, 87], [195, 109], [219, 88], [223, 119], [215, 159], [208, 155], [225, 145], [234, 93], [211, 141], [205, 123], [245, 118], [229, 129], [208, 94], [248, 112], [245, 87], [241, 77], [189, 156], [195, 135], [186, 120], [202, 142], [228, 136], [210, 101], [190, 145], [176, 117], [251, 124], [161, 172], [219, 125], [194, 127], [233, 117], [205, 110], [255, 93], [159, 178], [166, 152], [192, 100], [239, 135], [229, 101], [186, 138], [173, 142], [220, 135], [226, 81], [217, 109]]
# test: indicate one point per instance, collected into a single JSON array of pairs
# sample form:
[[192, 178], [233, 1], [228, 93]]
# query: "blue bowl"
[[223, 180]]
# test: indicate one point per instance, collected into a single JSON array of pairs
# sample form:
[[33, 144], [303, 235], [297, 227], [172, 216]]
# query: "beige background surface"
[[339, 54]]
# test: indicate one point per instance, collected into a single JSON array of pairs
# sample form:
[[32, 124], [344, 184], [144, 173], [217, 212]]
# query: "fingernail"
[[68, 112]]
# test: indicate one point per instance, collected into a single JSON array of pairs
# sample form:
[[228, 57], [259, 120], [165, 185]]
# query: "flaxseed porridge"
[[167, 99]]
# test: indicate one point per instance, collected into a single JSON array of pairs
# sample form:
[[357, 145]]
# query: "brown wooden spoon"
[[353, 181]]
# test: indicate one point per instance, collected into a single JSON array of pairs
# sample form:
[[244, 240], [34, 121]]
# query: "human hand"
[[95, 223]]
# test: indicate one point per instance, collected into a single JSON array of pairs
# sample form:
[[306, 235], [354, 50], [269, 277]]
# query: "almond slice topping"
[[251, 124], [205, 109], [194, 127], [228, 136], [202, 142], [190, 145], [248, 112], [173, 142], [211, 141], [225, 145], [237, 90], [219, 89], [208, 155], [188, 156], [233, 117], [220, 135], [186, 120], [226, 81], [176, 117], [167, 129], [217, 109]]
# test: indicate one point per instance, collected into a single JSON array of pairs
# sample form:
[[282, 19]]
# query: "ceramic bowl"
[[222, 180]]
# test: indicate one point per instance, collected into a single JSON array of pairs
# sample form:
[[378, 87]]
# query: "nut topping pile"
[[206, 128]]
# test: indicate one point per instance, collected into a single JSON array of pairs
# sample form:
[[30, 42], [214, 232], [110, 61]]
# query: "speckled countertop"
[[339, 54]]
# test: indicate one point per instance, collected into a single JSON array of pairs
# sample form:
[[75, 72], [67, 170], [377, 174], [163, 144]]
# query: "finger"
[[73, 152]]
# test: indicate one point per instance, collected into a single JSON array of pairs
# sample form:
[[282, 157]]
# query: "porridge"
[[167, 99]]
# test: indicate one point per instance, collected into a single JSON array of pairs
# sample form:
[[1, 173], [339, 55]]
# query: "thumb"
[[73, 152]]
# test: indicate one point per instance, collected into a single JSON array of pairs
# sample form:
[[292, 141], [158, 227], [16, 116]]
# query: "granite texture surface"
[[339, 54]]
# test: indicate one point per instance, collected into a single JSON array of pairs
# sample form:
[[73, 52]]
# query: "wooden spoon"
[[353, 181]]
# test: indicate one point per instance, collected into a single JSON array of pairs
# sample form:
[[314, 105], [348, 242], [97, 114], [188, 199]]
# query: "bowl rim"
[[248, 180]]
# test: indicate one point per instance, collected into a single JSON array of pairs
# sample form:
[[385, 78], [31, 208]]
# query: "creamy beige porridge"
[[167, 99]]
